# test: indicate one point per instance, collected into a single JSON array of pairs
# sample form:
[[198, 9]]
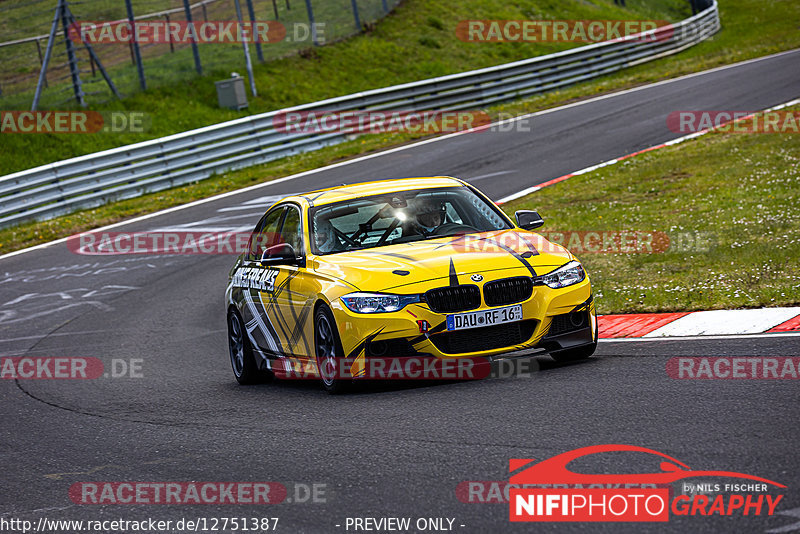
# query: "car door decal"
[[266, 328], [296, 323], [299, 320], [271, 305]]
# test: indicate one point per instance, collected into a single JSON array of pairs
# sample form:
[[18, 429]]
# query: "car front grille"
[[484, 338], [568, 322], [507, 291], [453, 298]]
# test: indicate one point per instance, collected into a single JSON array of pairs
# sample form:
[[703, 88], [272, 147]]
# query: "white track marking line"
[[397, 149], [697, 338], [491, 174]]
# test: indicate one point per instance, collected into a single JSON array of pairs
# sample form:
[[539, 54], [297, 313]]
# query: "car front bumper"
[[553, 319]]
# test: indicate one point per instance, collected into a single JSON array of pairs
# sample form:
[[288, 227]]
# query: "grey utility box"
[[231, 93]]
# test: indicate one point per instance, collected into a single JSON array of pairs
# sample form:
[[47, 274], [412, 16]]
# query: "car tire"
[[574, 355], [243, 362], [328, 351]]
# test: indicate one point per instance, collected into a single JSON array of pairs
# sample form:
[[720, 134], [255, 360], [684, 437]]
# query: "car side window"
[[265, 234], [291, 232]]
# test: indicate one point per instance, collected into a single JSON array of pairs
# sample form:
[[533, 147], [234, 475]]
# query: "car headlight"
[[377, 302], [564, 276]]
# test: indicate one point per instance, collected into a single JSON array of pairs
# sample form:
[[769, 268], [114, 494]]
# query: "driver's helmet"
[[324, 236], [430, 214]]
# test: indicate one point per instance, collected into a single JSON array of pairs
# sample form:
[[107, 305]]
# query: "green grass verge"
[[416, 41], [738, 193]]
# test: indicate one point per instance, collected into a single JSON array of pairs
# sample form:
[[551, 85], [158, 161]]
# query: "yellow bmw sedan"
[[400, 271]]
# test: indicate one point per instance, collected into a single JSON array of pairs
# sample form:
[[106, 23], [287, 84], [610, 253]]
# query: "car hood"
[[395, 266]]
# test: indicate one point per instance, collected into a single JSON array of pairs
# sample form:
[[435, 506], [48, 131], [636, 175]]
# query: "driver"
[[430, 215], [325, 237]]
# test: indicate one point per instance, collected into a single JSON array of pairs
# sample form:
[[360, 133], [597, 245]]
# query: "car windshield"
[[401, 217]]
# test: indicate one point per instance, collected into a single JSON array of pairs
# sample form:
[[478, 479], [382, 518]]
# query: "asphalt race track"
[[386, 450]]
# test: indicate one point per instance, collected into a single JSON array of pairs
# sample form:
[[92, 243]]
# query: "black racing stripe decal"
[[531, 246], [438, 328], [508, 249], [451, 243], [354, 353], [311, 201], [270, 327], [392, 332], [513, 253], [583, 306], [435, 330], [453, 275], [392, 254]]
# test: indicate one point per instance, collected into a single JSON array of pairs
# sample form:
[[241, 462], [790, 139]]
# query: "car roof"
[[352, 191]]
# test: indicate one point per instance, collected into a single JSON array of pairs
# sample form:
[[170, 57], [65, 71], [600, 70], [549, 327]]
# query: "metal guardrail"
[[129, 171]]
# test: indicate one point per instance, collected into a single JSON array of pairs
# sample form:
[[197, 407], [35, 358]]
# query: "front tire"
[[328, 351], [242, 361]]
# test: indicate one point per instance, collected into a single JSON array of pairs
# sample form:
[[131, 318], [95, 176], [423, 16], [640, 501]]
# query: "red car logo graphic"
[[554, 470]]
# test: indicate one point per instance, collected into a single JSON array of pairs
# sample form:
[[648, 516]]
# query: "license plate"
[[478, 319]]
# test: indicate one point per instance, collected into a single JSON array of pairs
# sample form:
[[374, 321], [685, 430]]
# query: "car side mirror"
[[528, 220], [281, 254]]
